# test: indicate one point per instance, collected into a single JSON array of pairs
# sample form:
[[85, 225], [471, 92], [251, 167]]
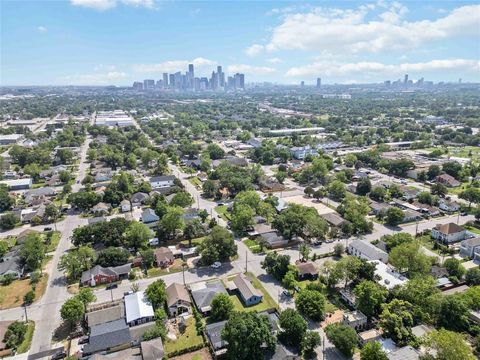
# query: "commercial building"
[[18, 184], [10, 139]]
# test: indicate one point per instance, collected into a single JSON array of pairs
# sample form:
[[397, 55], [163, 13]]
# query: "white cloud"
[[274, 60], [249, 69], [42, 29], [103, 67], [108, 78], [173, 65], [109, 4], [367, 29], [366, 69], [254, 50]]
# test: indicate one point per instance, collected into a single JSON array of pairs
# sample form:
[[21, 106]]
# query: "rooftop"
[[137, 306]]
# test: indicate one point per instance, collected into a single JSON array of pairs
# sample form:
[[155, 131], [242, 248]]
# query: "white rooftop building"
[[138, 309], [387, 277]]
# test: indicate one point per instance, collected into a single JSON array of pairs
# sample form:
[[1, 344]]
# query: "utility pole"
[[25, 309], [416, 228], [246, 261]]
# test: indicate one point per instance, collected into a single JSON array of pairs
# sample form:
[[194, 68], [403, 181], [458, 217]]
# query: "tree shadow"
[[62, 332]]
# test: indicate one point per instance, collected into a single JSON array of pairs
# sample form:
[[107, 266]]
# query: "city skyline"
[[116, 42]]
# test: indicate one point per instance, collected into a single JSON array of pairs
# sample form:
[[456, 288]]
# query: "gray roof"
[[214, 333], [245, 287], [139, 196], [105, 315], [176, 292], [203, 296], [333, 218], [471, 242], [10, 266], [153, 349], [107, 335], [162, 178], [368, 249], [404, 353], [273, 238]]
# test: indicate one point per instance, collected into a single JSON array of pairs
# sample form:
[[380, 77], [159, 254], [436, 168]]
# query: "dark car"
[[59, 355], [47, 229], [83, 340], [112, 286]]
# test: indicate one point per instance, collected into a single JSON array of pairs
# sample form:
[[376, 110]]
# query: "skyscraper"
[[138, 85], [405, 79], [221, 77], [319, 82], [302, 84], [165, 80], [191, 76], [148, 84]]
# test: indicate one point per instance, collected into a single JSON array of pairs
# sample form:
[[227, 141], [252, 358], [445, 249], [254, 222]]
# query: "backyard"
[[223, 212], [189, 339]]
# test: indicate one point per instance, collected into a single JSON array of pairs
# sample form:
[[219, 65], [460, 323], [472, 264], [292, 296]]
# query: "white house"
[[448, 233], [162, 181], [355, 319], [385, 276], [137, 309], [125, 206], [367, 251], [178, 300], [469, 246], [448, 206]]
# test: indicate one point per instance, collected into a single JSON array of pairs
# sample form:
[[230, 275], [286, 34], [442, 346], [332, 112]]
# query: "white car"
[[216, 265]]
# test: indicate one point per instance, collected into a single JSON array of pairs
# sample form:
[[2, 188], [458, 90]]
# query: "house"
[[178, 300], [100, 275], [149, 216], [274, 240], [152, 349], [469, 246], [447, 180], [248, 293], [138, 309], [204, 292], [307, 270], [214, 335], [163, 257], [378, 208], [104, 313], [427, 209], [421, 330], [162, 181], [18, 184], [334, 219], [283, 352], [348, 297], [367, 336], [367, 251], [232, 160], [404, 353], [448, 233], [355, 319], [11, 265], [101, 208], [40, 193], [139, 198], [448, 206], [125, 206], [190, 214], [194, 164], [385, 276], [411, 215], [110, 337], [104, 175]]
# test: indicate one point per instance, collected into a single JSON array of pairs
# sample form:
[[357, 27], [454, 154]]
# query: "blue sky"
[[114, 42]]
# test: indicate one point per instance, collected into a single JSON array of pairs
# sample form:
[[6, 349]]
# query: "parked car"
[[83, 340], [287, 293], [112, 286], [127, 293], [47, 229], [216, 265], [59, 355]]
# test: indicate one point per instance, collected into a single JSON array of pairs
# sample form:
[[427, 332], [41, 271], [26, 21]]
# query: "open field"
[[12, 295]]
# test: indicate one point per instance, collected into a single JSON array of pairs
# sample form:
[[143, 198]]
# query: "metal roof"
[[137, 307]]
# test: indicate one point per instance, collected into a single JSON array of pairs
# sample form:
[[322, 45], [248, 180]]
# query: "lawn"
[[25, 345], [252, 245], [56, 235], [222, 211], [187, 340], [175, 267], [465, 152], [195, 182], [12, 295], [195, 242], [473, 229], [266, 304]]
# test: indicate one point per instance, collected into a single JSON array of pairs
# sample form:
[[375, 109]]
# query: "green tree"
[[32, 252], [378, 193], [473, 276], [449, 345], [310, 342], [86, 296], [29, 297], [471, 194], [3, 248], [337, 190], [396, 321], [156, 294], [113, 256], [369, 297], [15, 334], [409, 258], [373, 351], [215, 151], [72, 311], [293, 326], [394, 216], [222, 307], [343, 337], [8, 221], [242, 217], [181, 199], [6, 201], [453, 313], [148, 257], [454, 267], [289, 281], [137, 235], [172, 222], [219, 245], [311, 303], [397, 239], [248, 335], [276, 264], [364, 186]]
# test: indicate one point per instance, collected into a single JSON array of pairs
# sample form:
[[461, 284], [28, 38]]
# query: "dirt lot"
[[310, 202], [12, 295]]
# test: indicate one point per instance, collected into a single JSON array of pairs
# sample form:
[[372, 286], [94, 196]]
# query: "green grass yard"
[[222, 211], [25, 345], [266, 304], [195, 182], [187, 340], [252, 245]]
